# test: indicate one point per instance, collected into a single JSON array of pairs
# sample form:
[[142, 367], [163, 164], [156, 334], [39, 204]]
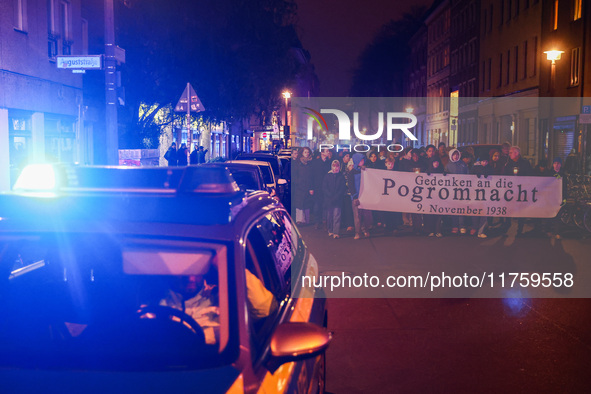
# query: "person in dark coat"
[[333, 190], [193, 157], [183, 155], [516, 166], [171, 155], [495, 165], [302, 185], [321, 166]]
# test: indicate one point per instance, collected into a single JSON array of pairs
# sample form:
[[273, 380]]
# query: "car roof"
[[251, 162], [132, 196]]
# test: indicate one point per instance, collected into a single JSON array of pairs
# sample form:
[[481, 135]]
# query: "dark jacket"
[[183, 156], [303, 182], [522, 165], [333, 190], [171, 157]]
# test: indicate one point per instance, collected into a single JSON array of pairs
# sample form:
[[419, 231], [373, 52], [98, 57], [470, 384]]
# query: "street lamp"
[[286, 131], [553, 56]]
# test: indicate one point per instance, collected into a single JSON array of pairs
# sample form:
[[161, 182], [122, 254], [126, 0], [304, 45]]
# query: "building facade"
[[438, 23]]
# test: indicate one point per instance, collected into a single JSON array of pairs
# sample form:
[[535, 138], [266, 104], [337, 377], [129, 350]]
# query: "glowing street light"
[[553, 56], [409, 110], [286, 131]]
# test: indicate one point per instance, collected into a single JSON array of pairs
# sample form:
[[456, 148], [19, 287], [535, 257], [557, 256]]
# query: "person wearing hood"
[[456, 166], [333, 190], [361, 217]]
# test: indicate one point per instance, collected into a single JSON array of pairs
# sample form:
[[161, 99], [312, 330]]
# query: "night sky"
[[336, 31]]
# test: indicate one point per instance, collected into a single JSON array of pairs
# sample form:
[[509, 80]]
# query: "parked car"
[[248, 177], [269, 158], [274, 186], [153, 280]]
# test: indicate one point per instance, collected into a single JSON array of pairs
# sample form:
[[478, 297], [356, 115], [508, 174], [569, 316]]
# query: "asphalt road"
[[456, 344]]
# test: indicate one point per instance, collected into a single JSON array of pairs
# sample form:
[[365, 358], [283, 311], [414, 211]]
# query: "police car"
[[153, 280]]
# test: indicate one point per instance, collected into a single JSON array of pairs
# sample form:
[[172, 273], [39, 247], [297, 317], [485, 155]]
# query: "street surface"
[[455, 345]]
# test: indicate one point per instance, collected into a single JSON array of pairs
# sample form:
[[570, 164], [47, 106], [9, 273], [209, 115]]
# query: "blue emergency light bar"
[[51, 179]]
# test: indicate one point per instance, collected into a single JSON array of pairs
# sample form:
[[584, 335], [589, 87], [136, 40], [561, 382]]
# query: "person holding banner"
[[433, 223], [456, 166], [516, 166], [361, 217]]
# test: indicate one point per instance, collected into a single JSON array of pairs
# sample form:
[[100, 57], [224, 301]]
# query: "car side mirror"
[[296, 342], [281, 181]]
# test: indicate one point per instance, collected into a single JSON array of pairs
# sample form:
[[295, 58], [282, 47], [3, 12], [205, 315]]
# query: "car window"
[[268, 258], [267, 174], [94, 302], [246, 180]]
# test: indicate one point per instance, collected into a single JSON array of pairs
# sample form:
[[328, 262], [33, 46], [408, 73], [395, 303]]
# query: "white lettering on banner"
[[438, 194]]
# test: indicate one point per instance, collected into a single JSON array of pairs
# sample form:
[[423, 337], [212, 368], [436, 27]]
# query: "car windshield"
[[94, 302]]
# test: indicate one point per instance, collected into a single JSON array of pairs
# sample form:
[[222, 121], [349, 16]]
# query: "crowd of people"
[[325, 189], [181, 157]]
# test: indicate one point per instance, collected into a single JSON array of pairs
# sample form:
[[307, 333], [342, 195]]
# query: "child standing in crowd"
[[333, 188]]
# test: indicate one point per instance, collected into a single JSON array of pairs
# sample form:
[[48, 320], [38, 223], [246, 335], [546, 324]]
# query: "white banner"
[[504, 196]]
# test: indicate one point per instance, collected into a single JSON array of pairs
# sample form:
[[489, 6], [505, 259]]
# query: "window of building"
[[508, 67], [84, 37], [485, 21], [489, 73], [20, 15], [525, 59], [516, 66], [51, 25], [500, 70], [52, 34], [575, 66], [491, 18], [65, 27], [555, 16], [578, 9], [483, 73], [509, 9], [502, 13], [535, 56]]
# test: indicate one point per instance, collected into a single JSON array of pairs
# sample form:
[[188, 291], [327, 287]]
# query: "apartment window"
[[578, 9], [20, 15], [65, 29], [535, 56], [52, 34], [502, 13], [526, 5], [508, 67], [555, 16], [483, 71], [485, 19], [575, 66], [491, 18], [84, 37], [489, 73], [516, 66], [509, 9], [51, 25], [525, 59], [500, 70], [516, 8]]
